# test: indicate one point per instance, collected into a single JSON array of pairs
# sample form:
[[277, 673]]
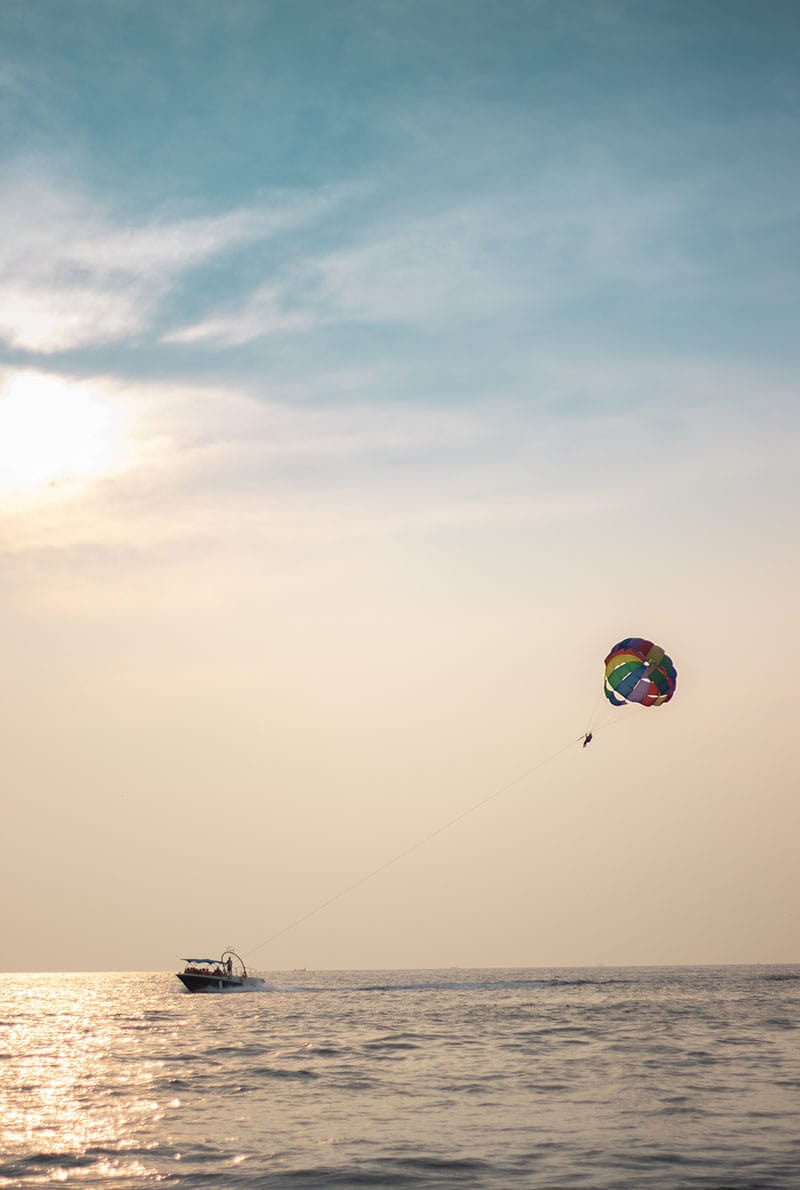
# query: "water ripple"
[[595, 1080]]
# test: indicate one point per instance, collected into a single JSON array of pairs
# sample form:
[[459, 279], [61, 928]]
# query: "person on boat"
[[229, 966]]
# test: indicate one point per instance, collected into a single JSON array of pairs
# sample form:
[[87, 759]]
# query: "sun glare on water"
[[53, 432]]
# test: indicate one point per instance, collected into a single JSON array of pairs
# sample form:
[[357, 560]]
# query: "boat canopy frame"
[[238, 967]]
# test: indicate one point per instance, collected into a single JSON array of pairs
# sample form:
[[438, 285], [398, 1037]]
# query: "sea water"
[[531, 1078]]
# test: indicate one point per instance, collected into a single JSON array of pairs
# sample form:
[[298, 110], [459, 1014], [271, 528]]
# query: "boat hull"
[[220, 983]]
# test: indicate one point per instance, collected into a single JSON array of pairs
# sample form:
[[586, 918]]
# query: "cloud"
[[495, 255], [224, 468], [76, 275], [264, 313], [430, 269], [219, 470]]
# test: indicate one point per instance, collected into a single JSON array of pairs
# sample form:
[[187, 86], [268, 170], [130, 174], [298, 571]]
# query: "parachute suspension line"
[[395, 859], [602, 715], [615, 717], [598, 706], [603, 718], [607, 716]]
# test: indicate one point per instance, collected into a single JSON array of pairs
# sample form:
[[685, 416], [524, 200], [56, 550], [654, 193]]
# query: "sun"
[[54, 431]]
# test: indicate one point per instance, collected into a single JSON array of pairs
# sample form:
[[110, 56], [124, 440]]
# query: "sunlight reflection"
[[63, 1051]]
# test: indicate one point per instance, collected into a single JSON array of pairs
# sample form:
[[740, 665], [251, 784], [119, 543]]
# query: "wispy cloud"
[[264, 313], [559, 239], [427, 269], [75, 274]]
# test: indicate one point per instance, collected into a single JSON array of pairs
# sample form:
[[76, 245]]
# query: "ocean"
[[600, 1078]]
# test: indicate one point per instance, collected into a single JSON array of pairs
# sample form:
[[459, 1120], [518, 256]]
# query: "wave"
[[450, 985]]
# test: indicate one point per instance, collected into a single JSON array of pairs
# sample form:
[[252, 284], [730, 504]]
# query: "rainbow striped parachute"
[[639, 671]]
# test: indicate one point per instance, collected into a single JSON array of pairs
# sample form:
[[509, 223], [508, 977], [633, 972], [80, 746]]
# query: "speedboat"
[[228, 973]]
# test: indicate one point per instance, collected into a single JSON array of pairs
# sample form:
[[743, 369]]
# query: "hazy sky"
[[368, 369]]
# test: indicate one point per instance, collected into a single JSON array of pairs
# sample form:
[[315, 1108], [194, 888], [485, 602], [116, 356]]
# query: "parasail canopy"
[[639, 671]]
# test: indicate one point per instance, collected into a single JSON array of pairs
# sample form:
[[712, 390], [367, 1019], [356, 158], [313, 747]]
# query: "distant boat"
[[228, 973]]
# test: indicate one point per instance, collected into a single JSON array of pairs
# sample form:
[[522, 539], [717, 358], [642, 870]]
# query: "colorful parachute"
[[639, 671]]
